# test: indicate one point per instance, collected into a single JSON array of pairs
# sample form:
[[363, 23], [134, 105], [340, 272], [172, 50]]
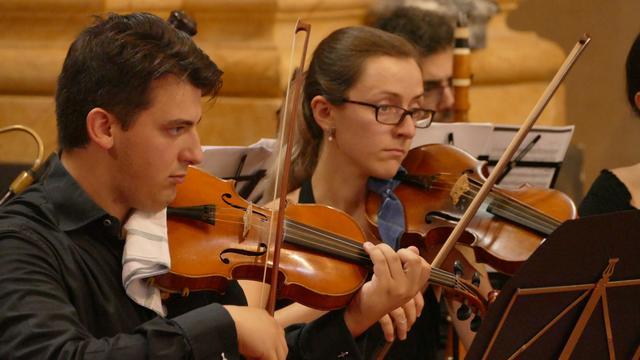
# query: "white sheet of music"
[[538, 166], [470, 137], [223, 161], [227, 162]]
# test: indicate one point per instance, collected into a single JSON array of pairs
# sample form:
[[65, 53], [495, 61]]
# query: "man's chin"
[[161, 202]]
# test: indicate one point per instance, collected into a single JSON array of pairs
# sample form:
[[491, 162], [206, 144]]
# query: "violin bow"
[[288, 125], [511, 149]]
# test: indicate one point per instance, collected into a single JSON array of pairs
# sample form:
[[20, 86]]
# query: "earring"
[[332, 134]]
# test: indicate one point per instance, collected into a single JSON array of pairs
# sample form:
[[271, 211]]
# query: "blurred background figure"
[[619, 189], [432, 34]]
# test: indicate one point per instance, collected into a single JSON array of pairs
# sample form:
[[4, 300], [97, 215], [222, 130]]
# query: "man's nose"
[[446, 99], [193, 154]]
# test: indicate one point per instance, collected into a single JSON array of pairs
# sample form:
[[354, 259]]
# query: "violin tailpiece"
[[204, 213]]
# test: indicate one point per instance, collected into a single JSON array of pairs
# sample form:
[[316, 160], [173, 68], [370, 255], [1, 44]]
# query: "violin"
[[510, 225], [216, 236]]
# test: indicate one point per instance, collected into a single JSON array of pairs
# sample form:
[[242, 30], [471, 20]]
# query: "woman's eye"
[[385, 108]]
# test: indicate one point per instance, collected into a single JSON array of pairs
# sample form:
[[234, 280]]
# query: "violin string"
[[438, 277], [354, 248], [300, 232], [516, 207], [507, 202], [321, 236], [316, 238], [523, 211]]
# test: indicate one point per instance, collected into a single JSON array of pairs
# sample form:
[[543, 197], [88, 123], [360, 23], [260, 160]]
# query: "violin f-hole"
[[262, 249], [432, 215]]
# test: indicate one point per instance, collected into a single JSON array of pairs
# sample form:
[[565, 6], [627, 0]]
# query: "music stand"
[[577, 297]]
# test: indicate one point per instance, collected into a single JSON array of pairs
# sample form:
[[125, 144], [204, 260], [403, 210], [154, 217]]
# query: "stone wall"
[[251, 41]]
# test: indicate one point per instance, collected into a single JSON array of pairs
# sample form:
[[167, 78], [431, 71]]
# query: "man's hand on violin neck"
[[259, 334], [397, 278]]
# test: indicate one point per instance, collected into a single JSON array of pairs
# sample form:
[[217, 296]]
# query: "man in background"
[[432, 34]]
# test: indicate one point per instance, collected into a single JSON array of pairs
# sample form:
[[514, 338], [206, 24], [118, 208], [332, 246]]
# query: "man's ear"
[[637, 100], [323, 112], [100, 127]]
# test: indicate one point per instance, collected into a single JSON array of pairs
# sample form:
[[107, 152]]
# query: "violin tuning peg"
[[475, 323], [463, 312], [458, 268], [475, 279]]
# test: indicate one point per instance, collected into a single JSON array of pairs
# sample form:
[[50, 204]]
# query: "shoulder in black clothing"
[[607, 194]]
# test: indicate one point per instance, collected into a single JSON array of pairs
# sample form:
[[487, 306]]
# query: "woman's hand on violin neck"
[[399, 321], [397, 278], [259, 334]]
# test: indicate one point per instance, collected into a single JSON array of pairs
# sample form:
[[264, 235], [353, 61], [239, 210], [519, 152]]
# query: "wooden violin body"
[[216, 236], [510, 225], [232, 244]]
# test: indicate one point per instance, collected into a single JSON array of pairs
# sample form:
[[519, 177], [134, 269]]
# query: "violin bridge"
[[461, 186], [246, 219]]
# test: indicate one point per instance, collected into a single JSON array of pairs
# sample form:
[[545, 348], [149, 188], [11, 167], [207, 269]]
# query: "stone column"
[[511, 73], [249, 39]]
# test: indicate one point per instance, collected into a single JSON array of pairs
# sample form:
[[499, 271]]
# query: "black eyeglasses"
[[393, 115]]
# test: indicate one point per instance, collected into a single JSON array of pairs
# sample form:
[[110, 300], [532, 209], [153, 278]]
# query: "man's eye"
[[176, 130], [431, 85]]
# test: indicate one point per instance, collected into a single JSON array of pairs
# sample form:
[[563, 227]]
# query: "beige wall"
[[606, 130], [249, 39]]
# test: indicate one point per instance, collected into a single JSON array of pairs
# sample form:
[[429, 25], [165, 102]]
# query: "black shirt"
[[607, 194], [61, 292]]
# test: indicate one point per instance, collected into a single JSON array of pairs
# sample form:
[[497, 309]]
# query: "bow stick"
[[288, 124], [511, 149]]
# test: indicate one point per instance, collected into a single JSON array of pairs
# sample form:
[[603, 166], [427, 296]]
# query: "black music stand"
[[579, 289]]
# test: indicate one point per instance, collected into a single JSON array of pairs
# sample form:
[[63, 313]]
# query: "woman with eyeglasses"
[[362, 103]]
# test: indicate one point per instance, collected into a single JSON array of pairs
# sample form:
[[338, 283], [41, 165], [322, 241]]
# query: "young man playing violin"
[[128, 102]]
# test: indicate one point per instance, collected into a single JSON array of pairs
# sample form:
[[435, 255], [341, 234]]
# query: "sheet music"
[[227, 162], [223, 161], [541, 163], [470, 137], [551, 148]]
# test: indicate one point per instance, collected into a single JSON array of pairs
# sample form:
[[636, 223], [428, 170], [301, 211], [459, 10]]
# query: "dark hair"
[[335, 67], [429, 31], [633, 74], [111, 65]]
